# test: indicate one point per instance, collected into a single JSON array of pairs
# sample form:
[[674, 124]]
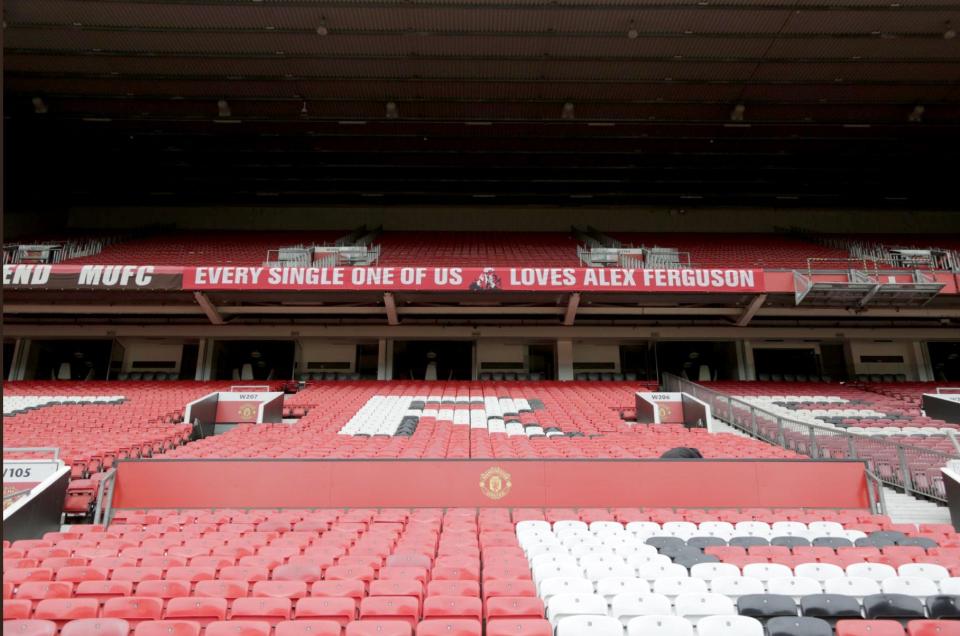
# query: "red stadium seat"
[[134, 609], [396, 587], [378, 628], [514, 607], [61, 610], [933, 628], [17, 609], [352, 588], [96, 627], [17, 627], [404, 608], [163, 589], [869, 628], [448, 627], [454, 588], [304, 572], [280, 589], [271, 610], [308, 628], [519, 627], [222, 589], [342, 609], [200, 610], [237, 628], [167, 628], [103, 590], [21, 575], [508, 587], [451, 607]]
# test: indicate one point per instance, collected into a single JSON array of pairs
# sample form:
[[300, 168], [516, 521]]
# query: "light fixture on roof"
[[737, 113], [916, 115], [950, 33], [303, 109], [632, 33], [567, 112], [392, 112], [223, 108], [39, 106], [323, 30]]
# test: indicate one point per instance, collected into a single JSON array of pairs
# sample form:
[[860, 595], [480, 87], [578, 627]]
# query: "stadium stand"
[[501, 318], [466, 419], [742, 250], [476, 249], [632, 571], [203, 248]]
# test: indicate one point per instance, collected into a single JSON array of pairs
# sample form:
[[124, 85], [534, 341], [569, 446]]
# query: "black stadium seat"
[[830, 607], [764, 606], [943, 606], [803, 626], [892, 606]]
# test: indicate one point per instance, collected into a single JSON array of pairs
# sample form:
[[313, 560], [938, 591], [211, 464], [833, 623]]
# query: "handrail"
[[16, 494], [104, 504], [890, 460], [33, 449]]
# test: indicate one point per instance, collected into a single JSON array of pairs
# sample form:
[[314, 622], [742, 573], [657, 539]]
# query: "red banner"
[[478, 279]]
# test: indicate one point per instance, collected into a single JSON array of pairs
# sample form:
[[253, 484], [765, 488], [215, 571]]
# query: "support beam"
[[392, 318], [572, 306], [208, 308], [751, 310]]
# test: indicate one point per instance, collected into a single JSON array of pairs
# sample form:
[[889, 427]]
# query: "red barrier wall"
[[253, 483]]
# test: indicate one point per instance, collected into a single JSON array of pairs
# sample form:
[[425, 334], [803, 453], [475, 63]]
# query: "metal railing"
[[593, 254], [103, 510], [913, 469]]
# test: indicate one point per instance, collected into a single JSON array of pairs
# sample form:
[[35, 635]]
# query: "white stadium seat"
[[729, 626], [612, 586], [873, 571], [563, 585], [909, 585], [590, 624], [794, 586], [711, 571], [696, 606], [625, 607], [819, 571], [737, 586], [566, 604], [659, 626], [924, 570], [852, 586]]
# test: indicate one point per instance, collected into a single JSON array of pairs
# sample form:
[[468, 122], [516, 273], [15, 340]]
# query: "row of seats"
[[471, 249], [468, 572], [147, 376], [570, 626], [327, 375], [96, 423], [457, 420], [597, 577], [511, 376]]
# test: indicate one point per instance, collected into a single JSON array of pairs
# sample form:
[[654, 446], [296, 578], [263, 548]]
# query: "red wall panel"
[[442, 483]]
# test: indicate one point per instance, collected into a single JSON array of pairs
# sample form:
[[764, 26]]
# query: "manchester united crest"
[[495, 483], [247, 412]]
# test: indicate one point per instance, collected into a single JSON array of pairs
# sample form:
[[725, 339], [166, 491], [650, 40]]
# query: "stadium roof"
[[806, 102]]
